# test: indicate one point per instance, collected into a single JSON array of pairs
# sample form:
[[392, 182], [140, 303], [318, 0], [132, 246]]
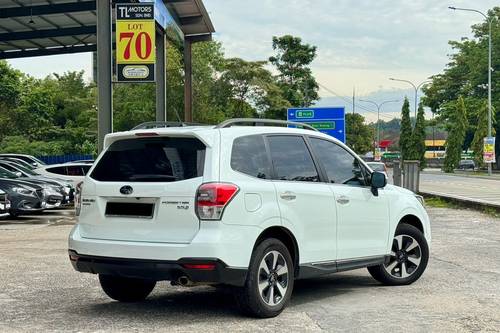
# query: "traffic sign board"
[[329, 120], [135, 42]]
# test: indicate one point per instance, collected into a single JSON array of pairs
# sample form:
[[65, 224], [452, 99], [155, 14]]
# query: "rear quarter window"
[[159, 159], [57, 170], [249, 156]]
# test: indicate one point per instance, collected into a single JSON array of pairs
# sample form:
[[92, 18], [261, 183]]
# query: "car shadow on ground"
[[219, 302]]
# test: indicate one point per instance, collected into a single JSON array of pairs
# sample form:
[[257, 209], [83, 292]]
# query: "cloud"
[[359, 42]]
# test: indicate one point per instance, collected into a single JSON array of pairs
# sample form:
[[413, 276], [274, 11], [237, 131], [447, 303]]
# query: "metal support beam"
[[188, 82], [104, 63], [47, 33], [188, 20], [199, 38], [45, 52], [161, 110], [63, 8]]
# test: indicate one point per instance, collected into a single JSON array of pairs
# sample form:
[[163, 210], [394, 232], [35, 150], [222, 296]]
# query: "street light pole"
[[417, 88], [378, 106], [489, 70]]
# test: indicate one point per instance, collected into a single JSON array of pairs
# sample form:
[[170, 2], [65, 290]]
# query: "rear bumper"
[[212, 270]]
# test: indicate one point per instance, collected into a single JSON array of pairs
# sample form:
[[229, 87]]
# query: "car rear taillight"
[[78, 198], [212, 198]]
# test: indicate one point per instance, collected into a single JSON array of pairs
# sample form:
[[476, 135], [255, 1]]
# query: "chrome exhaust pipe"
[[184, 281]]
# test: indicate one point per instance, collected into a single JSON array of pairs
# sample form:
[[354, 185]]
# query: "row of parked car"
[[28, 185]]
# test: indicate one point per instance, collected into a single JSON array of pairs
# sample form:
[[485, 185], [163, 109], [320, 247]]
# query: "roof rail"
[[258, 122], [164, 124]]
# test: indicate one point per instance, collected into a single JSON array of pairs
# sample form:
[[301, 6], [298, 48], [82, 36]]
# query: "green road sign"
[[305, 114], [323, 125]]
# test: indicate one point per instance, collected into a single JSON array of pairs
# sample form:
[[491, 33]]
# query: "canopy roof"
[[46, 27]]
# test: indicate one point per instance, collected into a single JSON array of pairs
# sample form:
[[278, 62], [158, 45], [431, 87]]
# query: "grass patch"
[[435, 202]]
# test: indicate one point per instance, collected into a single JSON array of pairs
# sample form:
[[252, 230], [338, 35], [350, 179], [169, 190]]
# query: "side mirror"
[[19, 174], [378, 181]]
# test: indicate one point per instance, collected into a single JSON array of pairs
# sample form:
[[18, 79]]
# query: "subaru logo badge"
[[126, 190]]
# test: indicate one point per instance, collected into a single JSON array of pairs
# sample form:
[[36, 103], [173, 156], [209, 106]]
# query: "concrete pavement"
[[479, 190], [459, 292]]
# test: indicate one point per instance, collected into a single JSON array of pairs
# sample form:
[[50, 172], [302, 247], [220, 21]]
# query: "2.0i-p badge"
[[126, 190]]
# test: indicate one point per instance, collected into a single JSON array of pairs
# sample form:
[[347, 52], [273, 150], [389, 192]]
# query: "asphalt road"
[[459, 292], [473, 188]]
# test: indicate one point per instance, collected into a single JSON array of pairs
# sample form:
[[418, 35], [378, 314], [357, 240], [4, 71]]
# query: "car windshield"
[[28, 171], [4, 173]]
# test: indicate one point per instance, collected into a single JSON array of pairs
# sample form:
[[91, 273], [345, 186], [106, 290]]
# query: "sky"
[[360, 43]]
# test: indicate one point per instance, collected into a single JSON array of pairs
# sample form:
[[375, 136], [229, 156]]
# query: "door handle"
[[288, 195], [343, 200]]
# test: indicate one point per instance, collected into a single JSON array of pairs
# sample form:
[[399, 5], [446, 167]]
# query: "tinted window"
[[250, 157], [57, 170], [86, 168], [340, 165], [160, 159], [291, 159], [74, 170]]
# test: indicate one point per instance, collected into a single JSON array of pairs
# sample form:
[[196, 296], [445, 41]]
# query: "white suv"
[[254, 207]]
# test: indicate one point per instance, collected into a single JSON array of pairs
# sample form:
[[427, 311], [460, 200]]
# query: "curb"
[[476, 204]]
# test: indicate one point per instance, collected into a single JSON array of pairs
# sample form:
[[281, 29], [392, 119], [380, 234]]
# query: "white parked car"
[[255, 207], [74, 172]]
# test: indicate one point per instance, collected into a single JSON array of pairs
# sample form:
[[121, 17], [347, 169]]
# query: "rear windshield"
[[161, 159]]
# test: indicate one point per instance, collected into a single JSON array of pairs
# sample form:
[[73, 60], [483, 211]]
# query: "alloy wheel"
[[405, 258], [273, 278]]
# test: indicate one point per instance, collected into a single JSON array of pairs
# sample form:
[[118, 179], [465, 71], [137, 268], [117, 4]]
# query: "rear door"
[[143, 189], [306, 204]]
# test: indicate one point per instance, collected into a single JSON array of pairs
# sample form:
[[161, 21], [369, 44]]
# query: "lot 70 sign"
[[135, 42]]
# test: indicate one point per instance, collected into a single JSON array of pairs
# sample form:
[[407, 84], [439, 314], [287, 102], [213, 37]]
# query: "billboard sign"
[[135, 42], [328, 120], [489, 150]]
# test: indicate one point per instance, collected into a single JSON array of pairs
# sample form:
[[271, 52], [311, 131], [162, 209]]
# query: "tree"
[[405, 137], [359, 136], [467, 75], [418, 137], [456, 137], [295, 78], [480, 133]]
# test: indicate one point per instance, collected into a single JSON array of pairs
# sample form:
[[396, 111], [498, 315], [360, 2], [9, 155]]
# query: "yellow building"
[[435, 148]]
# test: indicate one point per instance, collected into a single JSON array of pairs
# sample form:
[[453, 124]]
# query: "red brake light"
[[204, 267], [146, 134], [212, 198]]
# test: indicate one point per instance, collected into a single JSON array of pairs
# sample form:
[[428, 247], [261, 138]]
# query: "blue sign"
[[328, 120]]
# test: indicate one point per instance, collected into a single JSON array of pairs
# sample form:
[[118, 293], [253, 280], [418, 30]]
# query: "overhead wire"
[[347, 100]]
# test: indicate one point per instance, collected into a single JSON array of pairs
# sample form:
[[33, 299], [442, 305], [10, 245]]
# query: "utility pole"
[[353, 100], [416, 90], [490, 69]]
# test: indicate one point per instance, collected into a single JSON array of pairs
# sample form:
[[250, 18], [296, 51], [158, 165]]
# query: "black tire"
[[406, 232], [126, 289], [249, 297], [14, 213]]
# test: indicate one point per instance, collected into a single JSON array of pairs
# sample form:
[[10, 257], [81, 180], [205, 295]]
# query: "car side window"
[[57, 170], [249, 156], [86, 169], [291, 159], [75, 170], [341, 167]]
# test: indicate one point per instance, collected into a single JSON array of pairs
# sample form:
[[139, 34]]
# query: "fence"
[[64, 158]]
